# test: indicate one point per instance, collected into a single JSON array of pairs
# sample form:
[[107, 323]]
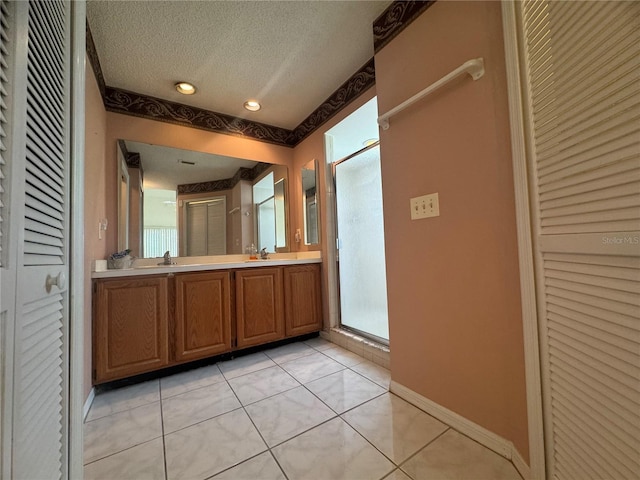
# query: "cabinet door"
[[203, 315], [302, 299], [259, 306], [130, 327]]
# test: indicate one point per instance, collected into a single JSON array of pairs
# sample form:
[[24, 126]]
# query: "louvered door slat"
[[34, 203], [38, 89], [581, 68], [613, 428], [44, 156], [600, 322], [4, 53], [629, 174], [590, 430], [617, 301], [44, 114], [605, 304], [35, 216], [627, 269], [609, 371], [42, 228]]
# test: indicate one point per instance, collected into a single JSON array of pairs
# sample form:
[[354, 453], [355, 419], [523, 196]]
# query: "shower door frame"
[[336, 248]]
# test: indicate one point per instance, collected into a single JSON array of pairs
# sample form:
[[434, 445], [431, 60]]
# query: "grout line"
[[425, 446], [164, 446], [275, 459], [124, 409]]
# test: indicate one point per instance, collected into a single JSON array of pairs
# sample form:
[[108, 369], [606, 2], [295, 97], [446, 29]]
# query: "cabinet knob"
[[59, 280]]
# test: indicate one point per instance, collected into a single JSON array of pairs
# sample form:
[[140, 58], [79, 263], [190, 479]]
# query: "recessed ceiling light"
[[370, 141], [185, 88], [252, 105]]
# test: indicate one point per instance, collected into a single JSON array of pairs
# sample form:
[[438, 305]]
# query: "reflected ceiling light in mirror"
[[369, 141], [252, 105], [185, 88]]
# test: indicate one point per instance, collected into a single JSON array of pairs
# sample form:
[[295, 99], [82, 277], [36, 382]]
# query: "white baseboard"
[[87, 404], [521, 466], [501, 446]]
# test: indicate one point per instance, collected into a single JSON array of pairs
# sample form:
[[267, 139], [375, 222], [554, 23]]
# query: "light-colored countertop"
[[149, 266]]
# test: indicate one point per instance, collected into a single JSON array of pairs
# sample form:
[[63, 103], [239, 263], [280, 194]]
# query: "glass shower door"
[[361, 259]]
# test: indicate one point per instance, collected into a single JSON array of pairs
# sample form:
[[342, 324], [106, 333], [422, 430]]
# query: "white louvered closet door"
[[582, 80], [40, 159]]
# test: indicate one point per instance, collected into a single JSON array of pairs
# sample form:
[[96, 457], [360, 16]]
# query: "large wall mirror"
[[196, 204], [310, 203]]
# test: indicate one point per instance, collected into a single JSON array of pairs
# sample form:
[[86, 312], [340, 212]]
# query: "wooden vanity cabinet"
[[303, 302], [130, 326], [259, 306], [145, 323], [202, 315]]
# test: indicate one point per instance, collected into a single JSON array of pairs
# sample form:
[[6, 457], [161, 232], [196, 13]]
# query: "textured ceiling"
[[289, 55]]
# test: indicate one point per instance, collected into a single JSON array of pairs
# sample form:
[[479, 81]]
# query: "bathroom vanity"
[[152, 317]]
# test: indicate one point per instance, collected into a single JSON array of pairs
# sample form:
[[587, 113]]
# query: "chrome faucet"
[[167, 259], [264, 255]]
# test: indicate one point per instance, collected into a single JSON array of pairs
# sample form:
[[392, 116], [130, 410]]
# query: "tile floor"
[[306, 410]]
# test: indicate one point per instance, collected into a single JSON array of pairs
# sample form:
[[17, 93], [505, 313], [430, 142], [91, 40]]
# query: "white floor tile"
[[142, 462], [312, 367], [331, 451], [246, 364], [318, 343], [198, 405], [344, 356], [283, 416], [209, 447], [344, 390], [397, 475], [454, 456], [262, 467], [393, 426], [108, 435], [289, 352], [373, 372], [190, 380], [125, 398], [256, 386]]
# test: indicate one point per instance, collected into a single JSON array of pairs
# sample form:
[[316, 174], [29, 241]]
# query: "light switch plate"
[[425, 206]]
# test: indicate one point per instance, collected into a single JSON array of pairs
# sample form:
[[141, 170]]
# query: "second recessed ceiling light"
[[252, 105], [185, 88]]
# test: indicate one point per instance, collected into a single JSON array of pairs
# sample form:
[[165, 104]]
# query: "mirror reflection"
[[310, 202], [192, 203]]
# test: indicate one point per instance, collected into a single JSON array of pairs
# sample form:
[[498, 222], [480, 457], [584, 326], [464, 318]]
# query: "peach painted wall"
[[453, 283], [310, 148], [95, 201], [159, 133]]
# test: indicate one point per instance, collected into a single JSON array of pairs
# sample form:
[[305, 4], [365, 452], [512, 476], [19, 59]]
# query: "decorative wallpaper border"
[[139, 105], [359, 82], [389, 24], [396, 18], [224, 184], [131, 158]]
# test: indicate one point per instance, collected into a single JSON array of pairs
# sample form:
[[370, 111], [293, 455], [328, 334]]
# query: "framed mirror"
[[310, 203], [193, 203]]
